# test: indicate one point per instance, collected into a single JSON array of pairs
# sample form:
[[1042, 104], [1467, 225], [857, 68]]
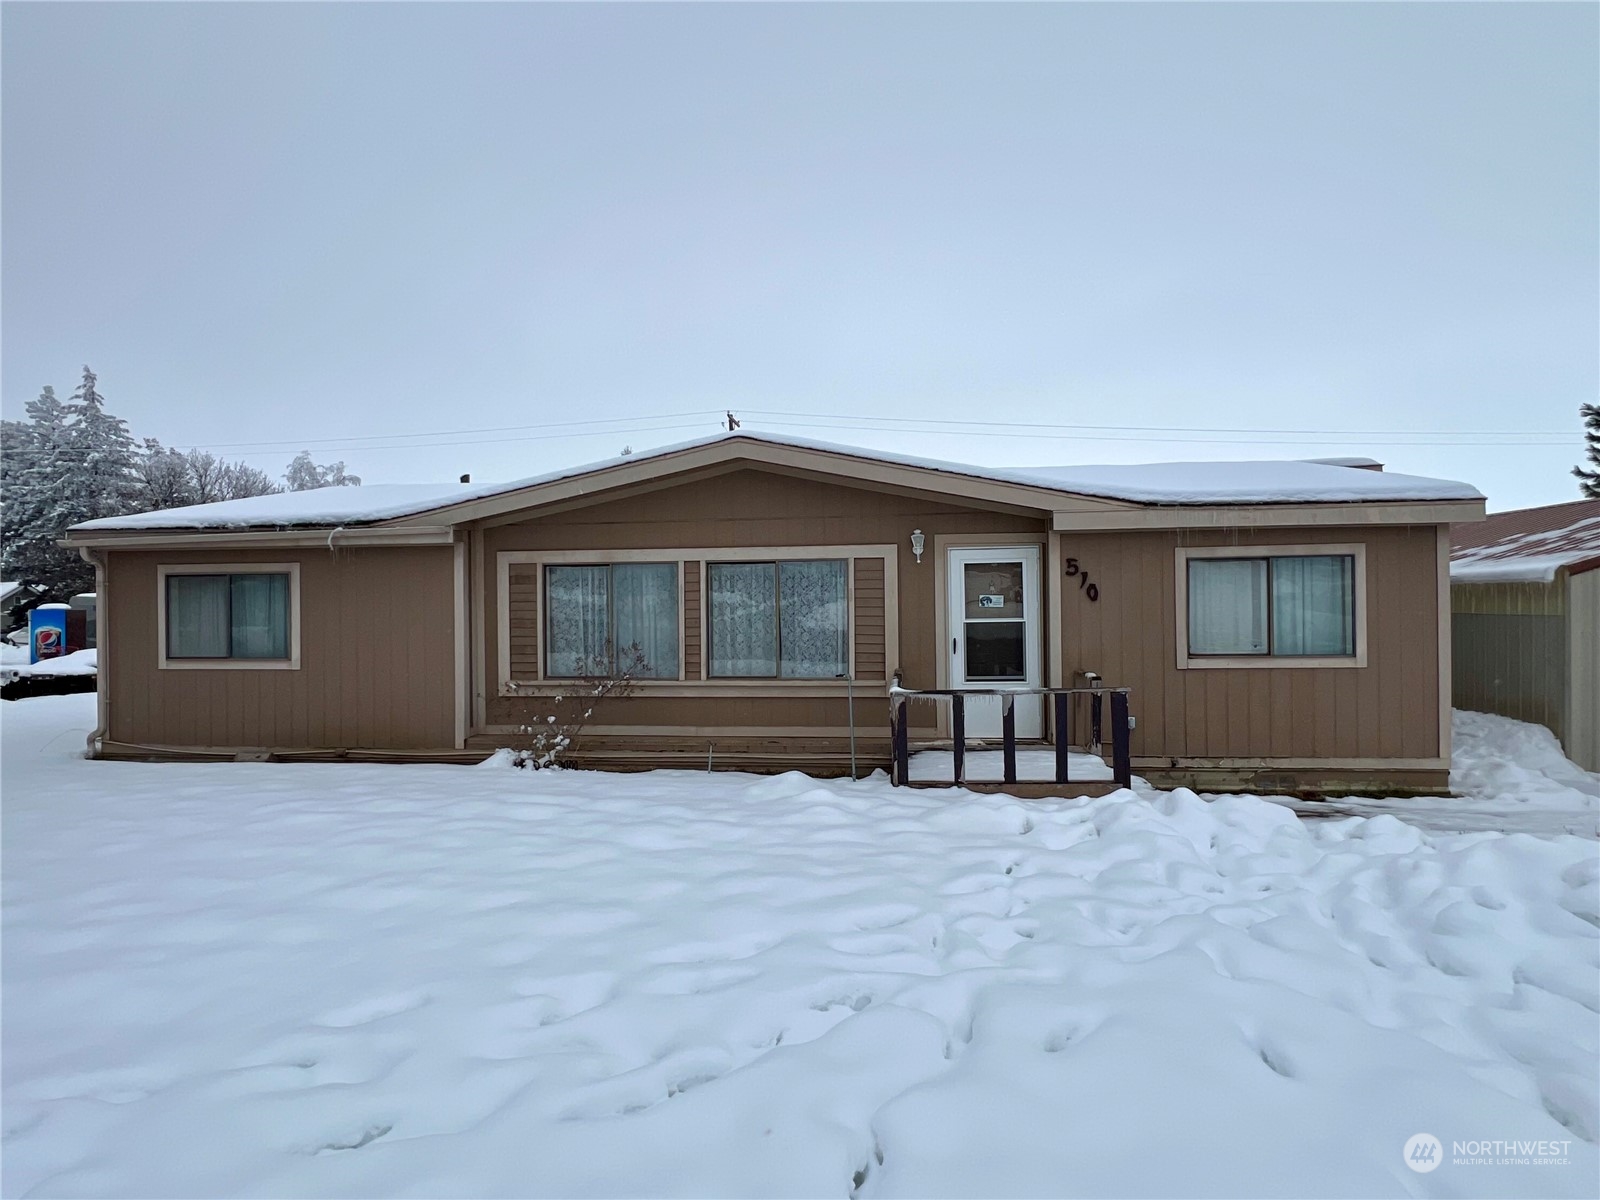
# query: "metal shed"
[[1525, 621]]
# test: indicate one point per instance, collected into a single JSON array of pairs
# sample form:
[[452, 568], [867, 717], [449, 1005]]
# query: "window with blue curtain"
[[242, 615]]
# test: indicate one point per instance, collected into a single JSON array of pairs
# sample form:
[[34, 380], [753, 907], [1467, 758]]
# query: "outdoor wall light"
[[917, 543]]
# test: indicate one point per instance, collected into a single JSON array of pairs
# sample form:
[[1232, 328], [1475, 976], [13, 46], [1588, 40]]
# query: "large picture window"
[[228, 616], [596, 614], [1275, 606], [779, 620]]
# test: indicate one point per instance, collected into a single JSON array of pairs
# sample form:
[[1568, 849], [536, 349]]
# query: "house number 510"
[[1091, 590]]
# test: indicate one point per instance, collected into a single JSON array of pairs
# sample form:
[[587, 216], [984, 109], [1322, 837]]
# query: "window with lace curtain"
[[779, 620], [596, 614]]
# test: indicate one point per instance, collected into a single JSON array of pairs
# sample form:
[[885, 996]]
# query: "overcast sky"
[[275, 226]]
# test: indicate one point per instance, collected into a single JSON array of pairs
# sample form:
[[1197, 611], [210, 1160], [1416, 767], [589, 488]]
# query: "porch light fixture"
[[917, 543]]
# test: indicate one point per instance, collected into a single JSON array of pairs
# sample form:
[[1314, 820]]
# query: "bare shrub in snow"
[[550, 725]]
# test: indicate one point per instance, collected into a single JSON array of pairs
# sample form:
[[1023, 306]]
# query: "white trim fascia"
[[1055, 639], [244, 539], [165, 570], [1262, 516], [1269, 662]]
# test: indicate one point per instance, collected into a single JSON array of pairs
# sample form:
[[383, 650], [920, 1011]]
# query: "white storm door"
[[995, 633]]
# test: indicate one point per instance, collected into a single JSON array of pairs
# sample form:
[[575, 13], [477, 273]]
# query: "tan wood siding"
[[691, 620], [376, 653], [870, 653], [761, 508], [522, 596], [1388, 709]]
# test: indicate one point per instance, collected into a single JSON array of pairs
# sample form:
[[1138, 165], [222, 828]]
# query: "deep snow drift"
[[283, 980]]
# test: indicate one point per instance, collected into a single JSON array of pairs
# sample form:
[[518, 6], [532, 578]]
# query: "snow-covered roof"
[[9, 588], [1192, 483], [1528, 545]]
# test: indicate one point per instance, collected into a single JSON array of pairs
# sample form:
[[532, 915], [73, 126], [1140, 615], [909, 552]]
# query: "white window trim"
[[1270, 662], [292, 663], [703, 684]]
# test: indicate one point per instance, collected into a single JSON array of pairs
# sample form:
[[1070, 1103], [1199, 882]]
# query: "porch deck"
[[1088, 774], [1034, 765], [1023, 770]]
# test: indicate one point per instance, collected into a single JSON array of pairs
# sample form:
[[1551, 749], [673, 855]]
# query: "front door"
[[995, 633]]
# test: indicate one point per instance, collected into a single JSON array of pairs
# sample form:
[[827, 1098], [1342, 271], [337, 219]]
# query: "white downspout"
[[102, 622]]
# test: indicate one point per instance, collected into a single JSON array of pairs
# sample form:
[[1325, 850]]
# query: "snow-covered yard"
[[284, 980]]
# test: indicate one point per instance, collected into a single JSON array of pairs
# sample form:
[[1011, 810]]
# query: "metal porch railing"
[[1060, 710]]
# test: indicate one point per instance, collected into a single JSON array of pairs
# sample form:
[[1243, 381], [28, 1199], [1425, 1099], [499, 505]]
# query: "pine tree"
[[37, 458], [303, 474], [78, 465], [1589, 478]]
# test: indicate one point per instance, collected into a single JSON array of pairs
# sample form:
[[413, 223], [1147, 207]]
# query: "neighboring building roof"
[[1194, 483], [10, 589], [1528, 545]]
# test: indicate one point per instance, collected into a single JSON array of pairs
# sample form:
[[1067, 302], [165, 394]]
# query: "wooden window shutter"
[[869, 649], [523, 621], [691, 621]]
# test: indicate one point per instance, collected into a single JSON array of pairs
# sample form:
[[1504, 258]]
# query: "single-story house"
[[1278, 624], [1525, 599], [15, 600]]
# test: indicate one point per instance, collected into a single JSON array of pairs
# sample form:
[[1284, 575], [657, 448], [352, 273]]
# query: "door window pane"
[[1228, 606], [644, 600], [993, 589], [197, 616], [577, 603], [260, 615], [744, 619], [996, 650], [814, 619], [1313, 605]]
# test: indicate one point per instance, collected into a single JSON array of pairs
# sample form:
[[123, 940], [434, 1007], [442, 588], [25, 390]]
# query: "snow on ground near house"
[[1510, 776], [14, 663], [286, 979]]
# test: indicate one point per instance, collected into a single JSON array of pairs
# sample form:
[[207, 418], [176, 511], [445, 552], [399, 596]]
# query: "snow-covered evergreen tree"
[[77, 464], [303, 474], [38, 459], [1589, 477]]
